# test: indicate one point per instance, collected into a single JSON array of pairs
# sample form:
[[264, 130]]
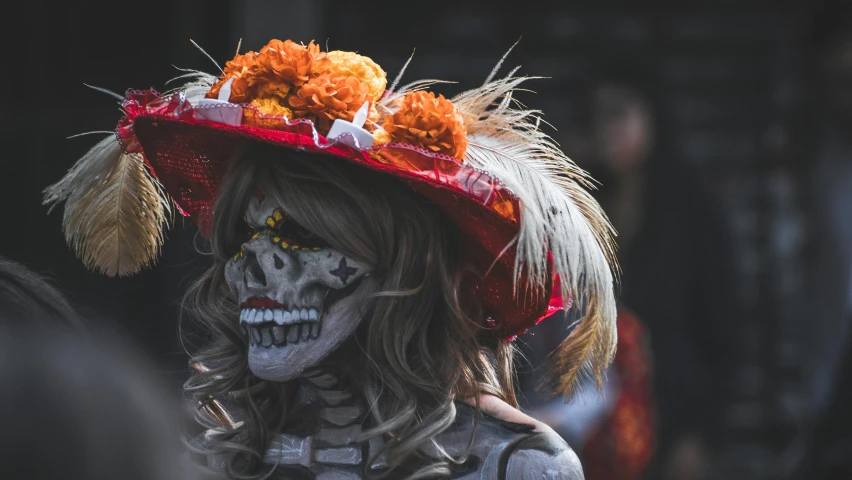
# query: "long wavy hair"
[[418, 349]]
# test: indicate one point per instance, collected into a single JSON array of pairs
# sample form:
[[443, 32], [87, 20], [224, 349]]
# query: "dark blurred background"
[[720, 136]]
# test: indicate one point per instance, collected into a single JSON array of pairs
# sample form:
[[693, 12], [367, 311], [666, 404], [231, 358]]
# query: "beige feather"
[[558, 215], [115, 210]]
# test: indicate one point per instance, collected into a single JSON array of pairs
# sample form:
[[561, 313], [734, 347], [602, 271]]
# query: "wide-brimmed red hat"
[[528, 227]]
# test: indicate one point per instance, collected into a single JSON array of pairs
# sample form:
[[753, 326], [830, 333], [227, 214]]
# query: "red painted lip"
[[262, 302]]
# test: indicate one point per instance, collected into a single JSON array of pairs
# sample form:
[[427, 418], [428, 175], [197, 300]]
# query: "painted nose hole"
[[279, 264], [254, 269]]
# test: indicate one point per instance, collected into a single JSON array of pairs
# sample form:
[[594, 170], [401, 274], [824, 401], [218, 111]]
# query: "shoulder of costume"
[[544, 455]]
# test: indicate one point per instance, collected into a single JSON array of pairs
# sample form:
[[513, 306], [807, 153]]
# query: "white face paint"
[[299, 298]]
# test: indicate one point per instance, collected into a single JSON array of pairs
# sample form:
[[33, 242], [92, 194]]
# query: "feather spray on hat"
[[560, 221]]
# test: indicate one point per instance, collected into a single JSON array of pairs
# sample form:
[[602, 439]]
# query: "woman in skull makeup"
[[368, 278], [391, 327]]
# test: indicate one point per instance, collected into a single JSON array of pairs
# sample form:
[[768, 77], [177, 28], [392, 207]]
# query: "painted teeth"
[[279, 315], [268, 334], [267, 327]]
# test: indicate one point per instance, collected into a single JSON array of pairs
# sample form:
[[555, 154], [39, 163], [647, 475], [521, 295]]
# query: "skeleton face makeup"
[[299, 298]]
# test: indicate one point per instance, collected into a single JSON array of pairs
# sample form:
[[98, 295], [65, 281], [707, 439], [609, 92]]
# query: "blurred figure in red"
[[622, 445], [613, 432]]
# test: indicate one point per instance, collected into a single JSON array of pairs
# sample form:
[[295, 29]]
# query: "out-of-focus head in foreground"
[[29, 299], [76, 405]]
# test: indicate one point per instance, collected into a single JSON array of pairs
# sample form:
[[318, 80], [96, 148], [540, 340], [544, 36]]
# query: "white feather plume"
[[558, 215]]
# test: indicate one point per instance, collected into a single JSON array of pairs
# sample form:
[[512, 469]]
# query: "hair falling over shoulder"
[[416, 351]]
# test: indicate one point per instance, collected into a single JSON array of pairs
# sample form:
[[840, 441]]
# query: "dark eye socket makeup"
[[283, 231], [292, 230]]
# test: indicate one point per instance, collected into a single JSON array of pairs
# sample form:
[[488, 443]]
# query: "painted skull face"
[[299, 298]]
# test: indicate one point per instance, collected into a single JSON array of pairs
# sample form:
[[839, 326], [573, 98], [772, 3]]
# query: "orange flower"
[[431, 123], [328, 97], [237, 68], [270, 73], [354, 65], [282, 65]]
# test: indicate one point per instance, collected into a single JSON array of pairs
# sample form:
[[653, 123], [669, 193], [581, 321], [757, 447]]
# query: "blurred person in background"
[[77, 404], [677, 262], [677, 294]]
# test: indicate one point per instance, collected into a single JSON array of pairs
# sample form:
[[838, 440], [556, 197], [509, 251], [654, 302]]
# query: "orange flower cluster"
[[294, 80], [429, 122], [328, 97], [237, 68]]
